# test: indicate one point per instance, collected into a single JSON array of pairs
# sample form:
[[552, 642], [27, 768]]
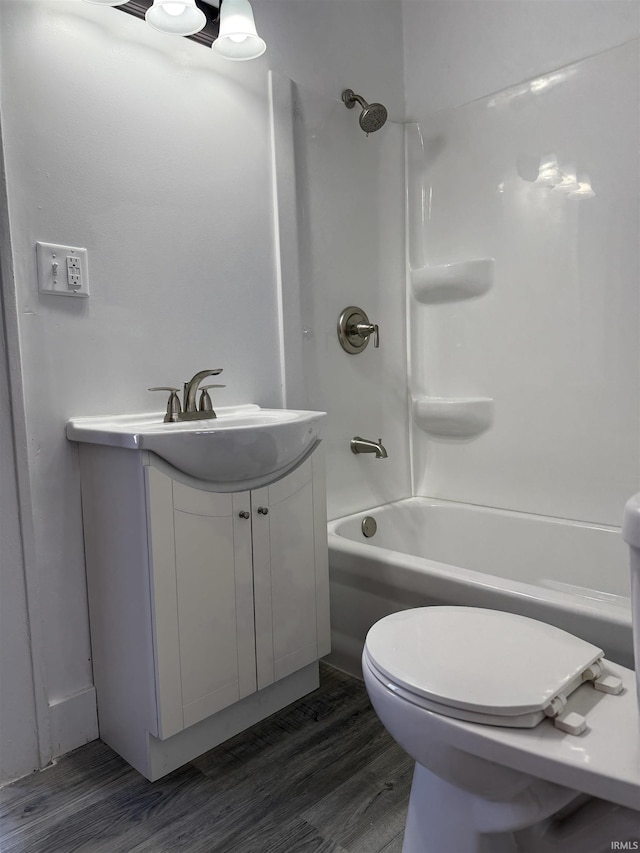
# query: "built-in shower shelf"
[[451, 282], [452, 417]]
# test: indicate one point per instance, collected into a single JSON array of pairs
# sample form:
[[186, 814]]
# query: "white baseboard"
[[73, 721]]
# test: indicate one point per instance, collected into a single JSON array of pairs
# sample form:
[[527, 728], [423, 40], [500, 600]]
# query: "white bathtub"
[[425, 551]]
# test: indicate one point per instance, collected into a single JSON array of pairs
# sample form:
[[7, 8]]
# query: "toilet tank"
[[631, 535]]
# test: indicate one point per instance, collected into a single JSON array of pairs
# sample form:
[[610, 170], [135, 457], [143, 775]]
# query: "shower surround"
[[543, 179], [510, 375]]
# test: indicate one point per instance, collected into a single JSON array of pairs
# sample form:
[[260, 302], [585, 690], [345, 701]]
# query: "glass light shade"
[[238, 37], [175, 17]]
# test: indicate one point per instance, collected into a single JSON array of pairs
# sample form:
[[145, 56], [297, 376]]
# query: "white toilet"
[[524, 738]]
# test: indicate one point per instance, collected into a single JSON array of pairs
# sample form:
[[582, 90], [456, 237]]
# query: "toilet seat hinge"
[[571, 723], [556, 706], [566, 721], [601, 680], [593, 672], [608, 684]]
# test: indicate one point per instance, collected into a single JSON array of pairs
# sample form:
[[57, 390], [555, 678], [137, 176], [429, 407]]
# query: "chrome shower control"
[[366, 329], [354, 330]]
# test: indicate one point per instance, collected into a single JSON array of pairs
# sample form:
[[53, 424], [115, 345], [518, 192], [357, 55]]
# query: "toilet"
[[525, 738]]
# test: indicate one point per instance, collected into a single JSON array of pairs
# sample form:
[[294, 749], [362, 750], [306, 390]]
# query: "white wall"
[[18, 728], [326, 46], [18, 719], [154, 154], [459, 50], [159, 166]]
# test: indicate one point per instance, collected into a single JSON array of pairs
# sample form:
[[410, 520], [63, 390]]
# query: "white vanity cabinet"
[[237, 580], [209, 610]]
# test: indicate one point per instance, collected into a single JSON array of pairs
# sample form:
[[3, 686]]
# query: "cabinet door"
[[290, 573], [203, 601]]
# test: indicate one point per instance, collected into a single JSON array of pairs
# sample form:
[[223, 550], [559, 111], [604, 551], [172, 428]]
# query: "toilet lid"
[[478, 660]]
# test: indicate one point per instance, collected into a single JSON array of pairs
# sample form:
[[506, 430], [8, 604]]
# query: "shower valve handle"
[[366, 329], [354, 330]]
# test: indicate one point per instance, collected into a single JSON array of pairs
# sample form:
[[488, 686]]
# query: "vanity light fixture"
[[201, 21], [238, 38]]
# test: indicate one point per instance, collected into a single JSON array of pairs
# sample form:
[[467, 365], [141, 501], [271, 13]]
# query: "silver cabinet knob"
[[243, 514], [263, 510]]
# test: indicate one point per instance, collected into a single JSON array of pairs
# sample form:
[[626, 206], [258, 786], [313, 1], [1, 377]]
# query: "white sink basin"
[[244, 447]]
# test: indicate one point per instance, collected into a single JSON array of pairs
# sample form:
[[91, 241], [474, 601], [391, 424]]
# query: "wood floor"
[[321, 776]]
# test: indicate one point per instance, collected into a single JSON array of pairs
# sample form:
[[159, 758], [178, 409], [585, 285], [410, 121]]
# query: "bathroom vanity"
[[208, 601]]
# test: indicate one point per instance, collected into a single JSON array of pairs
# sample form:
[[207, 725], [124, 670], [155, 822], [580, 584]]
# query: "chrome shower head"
[[372, 117]]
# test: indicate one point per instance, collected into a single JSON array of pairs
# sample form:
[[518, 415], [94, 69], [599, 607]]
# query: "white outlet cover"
[[54, 264]]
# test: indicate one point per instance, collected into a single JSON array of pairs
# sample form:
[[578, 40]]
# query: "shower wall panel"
[[544, 179], [348, 243]]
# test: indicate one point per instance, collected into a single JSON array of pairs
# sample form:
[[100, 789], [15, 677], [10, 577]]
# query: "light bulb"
[[568, 182], [174, 8], [549, 174], [584, 189]]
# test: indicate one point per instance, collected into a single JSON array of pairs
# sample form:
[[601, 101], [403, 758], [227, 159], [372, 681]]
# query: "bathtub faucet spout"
[[365, 445]]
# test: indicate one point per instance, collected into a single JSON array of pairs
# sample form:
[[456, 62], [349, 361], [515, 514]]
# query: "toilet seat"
[[485, 666]]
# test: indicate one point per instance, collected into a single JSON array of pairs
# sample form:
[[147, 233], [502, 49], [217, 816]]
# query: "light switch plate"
[[62, 270]]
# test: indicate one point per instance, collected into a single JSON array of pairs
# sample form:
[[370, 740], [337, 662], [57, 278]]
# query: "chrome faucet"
[[189, 411], [365, 445]]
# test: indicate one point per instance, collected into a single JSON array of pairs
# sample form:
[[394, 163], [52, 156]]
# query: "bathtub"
[[570, 574]]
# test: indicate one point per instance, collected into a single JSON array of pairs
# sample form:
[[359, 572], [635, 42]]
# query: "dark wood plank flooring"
[[321, 776]]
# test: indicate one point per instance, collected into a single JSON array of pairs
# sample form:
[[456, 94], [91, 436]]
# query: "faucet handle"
[[366, 329], [173, 403], [205, 404]]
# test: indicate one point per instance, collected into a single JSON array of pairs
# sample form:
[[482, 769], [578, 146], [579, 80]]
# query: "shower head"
[[372, 117]]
